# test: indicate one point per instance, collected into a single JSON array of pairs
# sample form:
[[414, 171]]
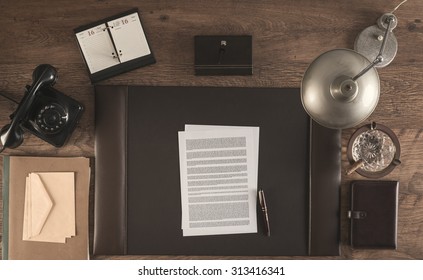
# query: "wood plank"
[[287, 36]]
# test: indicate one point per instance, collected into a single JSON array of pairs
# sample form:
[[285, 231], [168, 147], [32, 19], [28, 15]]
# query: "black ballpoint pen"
[[262, 200]]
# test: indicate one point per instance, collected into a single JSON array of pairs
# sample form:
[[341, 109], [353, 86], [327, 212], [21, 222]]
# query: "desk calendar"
[[114, 45]]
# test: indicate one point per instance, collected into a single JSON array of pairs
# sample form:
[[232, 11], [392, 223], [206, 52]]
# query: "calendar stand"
[[114, 45]]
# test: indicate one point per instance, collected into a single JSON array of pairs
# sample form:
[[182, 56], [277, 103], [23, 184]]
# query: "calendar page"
[[97, 48], [129, 38]]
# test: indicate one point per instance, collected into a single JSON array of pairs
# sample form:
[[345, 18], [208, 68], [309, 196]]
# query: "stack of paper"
[[49, 213], [218, 166]]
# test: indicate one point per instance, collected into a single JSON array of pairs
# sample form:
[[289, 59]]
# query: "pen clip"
[[262, 200]]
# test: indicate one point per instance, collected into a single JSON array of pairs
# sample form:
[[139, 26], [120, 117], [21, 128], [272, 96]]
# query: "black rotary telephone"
[[43, 111]]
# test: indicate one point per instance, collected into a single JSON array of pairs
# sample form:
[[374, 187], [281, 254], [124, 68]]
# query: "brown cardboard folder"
[[137, 191], [75, 247]]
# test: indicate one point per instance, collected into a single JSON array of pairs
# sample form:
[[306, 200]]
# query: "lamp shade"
[[330, 95]]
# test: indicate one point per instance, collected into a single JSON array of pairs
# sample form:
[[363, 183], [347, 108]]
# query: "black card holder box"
[[223, 55], [373, 214]]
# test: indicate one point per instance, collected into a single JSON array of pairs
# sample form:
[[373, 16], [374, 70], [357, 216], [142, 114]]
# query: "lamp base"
[[369, 41]]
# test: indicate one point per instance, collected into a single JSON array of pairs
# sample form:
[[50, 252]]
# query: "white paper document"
[[218, 166]]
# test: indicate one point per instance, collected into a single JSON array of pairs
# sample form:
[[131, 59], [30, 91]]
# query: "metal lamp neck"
[[390, 19]]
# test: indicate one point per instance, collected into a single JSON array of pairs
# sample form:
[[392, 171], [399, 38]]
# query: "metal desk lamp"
[[341, 87]]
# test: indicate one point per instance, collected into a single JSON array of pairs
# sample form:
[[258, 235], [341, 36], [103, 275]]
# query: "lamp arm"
[[379, 57]]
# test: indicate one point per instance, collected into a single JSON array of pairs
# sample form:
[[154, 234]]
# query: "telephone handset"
[[12, 134], [43, 111]]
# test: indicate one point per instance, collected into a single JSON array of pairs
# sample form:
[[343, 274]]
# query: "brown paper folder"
[[75, 247]]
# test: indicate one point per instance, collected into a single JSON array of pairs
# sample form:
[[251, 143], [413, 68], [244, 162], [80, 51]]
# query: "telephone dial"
[[43, 111]]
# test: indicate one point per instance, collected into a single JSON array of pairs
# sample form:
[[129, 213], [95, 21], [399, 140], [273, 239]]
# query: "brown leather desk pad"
[[137, 192]]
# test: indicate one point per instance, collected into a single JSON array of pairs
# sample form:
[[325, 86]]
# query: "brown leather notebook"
[[374, 211], [137, 192]]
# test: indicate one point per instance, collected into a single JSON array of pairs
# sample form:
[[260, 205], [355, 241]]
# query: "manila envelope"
[[49, 211]]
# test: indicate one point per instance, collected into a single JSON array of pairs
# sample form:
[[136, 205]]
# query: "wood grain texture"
[[287, 36]]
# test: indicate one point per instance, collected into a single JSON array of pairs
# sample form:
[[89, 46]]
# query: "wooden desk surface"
[[287, 36]]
